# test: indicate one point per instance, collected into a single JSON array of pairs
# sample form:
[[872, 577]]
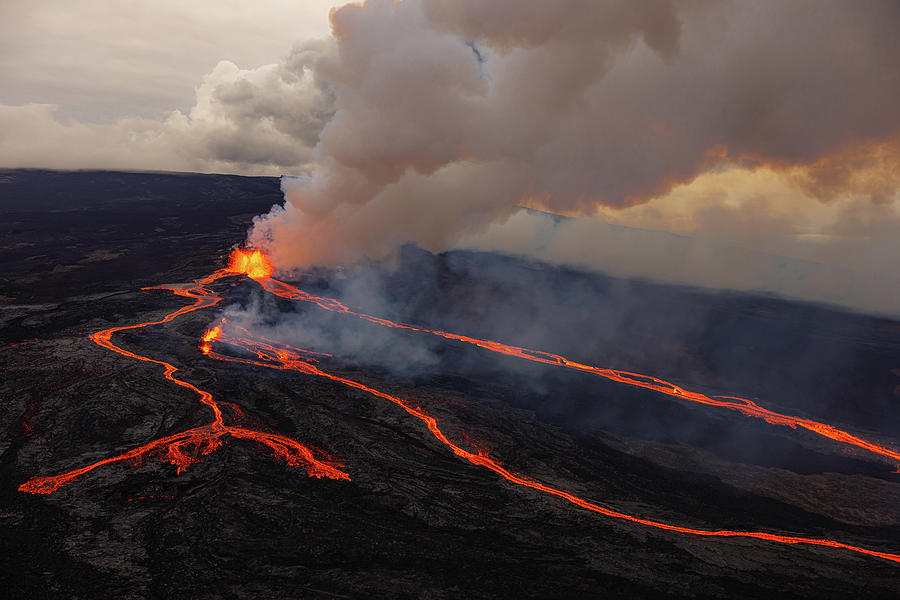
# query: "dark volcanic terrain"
[[416, 521]]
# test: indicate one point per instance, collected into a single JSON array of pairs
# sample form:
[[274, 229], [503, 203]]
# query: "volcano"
[[180, 423]]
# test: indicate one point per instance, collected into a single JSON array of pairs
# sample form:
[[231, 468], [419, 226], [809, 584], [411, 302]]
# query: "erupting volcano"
[[184, 448], [496, 300]]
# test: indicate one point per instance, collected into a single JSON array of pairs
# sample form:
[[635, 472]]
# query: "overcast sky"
[[99, 60]]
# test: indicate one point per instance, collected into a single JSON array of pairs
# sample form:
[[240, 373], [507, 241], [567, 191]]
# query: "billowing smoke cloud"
[[448, 114]]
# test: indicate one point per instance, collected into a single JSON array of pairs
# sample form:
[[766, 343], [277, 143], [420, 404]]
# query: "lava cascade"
[[207, 438]]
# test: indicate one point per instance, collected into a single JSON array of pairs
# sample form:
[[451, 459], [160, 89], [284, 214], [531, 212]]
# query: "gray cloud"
[[101, 61], [260, 121]]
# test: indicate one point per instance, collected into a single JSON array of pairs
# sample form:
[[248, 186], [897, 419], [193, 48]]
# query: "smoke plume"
[[449, 114]]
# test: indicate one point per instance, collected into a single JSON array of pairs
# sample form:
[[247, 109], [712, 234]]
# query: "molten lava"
[[742, 405], [287, 358], [207, 337], [182, 448], [252, 263]]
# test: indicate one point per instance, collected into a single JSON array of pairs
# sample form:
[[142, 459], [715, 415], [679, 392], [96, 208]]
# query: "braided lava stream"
[[181, 449], [269, 354]]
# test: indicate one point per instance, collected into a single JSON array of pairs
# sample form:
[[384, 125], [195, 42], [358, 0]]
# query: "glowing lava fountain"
[[252, 263], [272, 355]]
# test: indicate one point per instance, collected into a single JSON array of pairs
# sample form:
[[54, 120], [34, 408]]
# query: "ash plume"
[[450, 114]]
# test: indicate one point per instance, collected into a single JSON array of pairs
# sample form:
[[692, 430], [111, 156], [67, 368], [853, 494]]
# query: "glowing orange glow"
[[287, 358], [183, 449], [742, 405], [252, 263], [212, 334]]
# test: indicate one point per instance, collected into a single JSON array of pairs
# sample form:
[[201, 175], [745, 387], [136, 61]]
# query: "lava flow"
[[280, 356], [181, 449], [207, 438], [252, 263], [742, 405]]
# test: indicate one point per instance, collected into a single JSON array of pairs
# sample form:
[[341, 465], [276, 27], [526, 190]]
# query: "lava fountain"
[[252, 263]]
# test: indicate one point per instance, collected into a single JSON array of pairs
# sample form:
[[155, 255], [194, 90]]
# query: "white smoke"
[[448, 114]]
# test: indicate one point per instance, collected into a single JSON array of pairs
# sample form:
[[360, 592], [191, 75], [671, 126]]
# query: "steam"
[[344, 339], [448, 115]]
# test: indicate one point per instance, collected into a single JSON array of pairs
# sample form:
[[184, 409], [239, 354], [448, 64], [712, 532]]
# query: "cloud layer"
[[255, 121], [102, 60]]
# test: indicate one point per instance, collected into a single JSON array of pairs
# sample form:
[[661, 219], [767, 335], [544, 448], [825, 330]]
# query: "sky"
[[125, 85], [99, 60], [765, 125]]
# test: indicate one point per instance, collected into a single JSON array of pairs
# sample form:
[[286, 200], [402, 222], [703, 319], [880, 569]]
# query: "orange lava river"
[[182, 449]]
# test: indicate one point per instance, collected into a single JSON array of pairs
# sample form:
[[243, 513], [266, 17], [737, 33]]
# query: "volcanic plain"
[[414, 520]]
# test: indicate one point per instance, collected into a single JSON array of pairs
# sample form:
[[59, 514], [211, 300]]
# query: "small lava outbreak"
[[182, 449]]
